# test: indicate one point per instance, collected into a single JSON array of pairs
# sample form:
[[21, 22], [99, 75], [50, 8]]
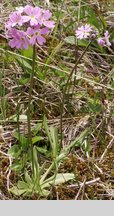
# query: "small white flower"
[[83, 31]]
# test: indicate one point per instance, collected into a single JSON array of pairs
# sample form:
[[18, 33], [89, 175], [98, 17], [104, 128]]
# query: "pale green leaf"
[[59, 179], [17, 191]]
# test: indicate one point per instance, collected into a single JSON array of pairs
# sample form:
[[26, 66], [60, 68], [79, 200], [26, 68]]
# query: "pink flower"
[[101, 41], [44, 19], [32, 15], [104, 41], [18, 40], [84, 31], [36, 33], [107, 36], [11, 32], [14, 19], [8, 24]]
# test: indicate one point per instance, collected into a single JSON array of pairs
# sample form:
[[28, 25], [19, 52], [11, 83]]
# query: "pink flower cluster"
[[27, 26], [88, 31]]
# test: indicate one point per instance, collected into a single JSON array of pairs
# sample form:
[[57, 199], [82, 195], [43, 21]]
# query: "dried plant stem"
[[29, 108], [65, 90]]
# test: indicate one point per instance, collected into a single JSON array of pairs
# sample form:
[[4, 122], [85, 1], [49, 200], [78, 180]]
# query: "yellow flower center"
[[37, 33], [32, 17]]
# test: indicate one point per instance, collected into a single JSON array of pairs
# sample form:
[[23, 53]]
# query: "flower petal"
[[49, 24], [33, 40], [41, 40]]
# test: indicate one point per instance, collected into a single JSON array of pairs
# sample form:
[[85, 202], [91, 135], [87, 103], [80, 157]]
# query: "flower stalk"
[[65, 90], [29, 108]]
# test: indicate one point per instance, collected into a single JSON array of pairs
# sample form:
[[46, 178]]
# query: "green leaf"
[[70, 40], [44, 193], [112, 35], [112, 84], [93, 19], [95, 106], [23, 81], [79, 140], [24, 63], [14, 151], [42, 150], [103, 22], [52, 134], [36, 128], [15, 118], [21, 188], [82, 43], [28, 178], [18, 136], [62, 178], [47, 129], [22, 185], [37, 139], [61, 156], [17, 167], [27, 53], [36, 166], [22, 139], [16, 191], [42, 168], [59, 179], [54, 143]]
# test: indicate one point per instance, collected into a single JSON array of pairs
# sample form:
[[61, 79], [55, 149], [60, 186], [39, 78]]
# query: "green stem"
[[47, 172], [65, 90], [29, 108]]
